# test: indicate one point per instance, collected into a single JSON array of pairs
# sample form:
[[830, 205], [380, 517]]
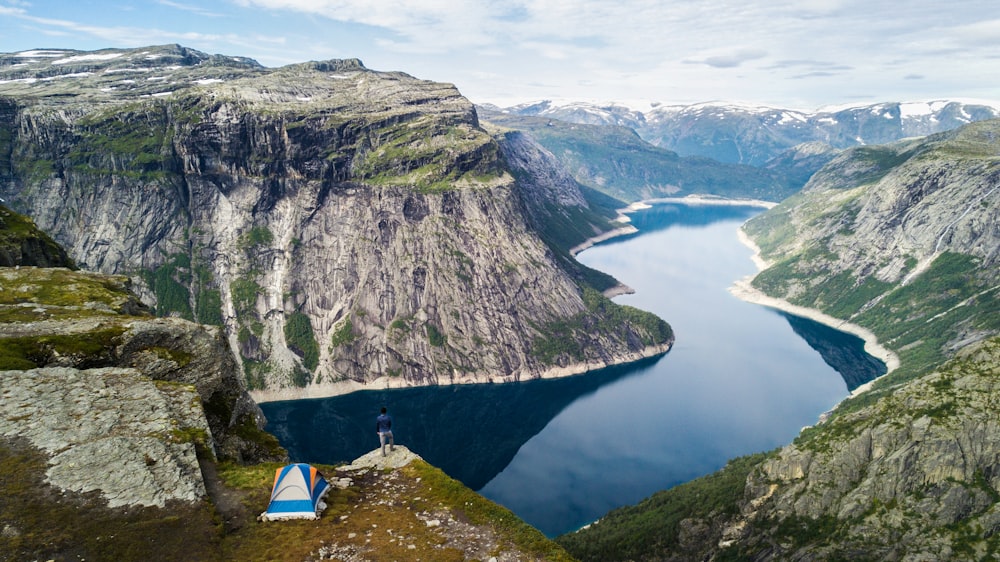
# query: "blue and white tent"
[[297, 493]]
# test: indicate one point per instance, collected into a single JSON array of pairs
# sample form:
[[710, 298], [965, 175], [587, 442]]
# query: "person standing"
[[383, 426]]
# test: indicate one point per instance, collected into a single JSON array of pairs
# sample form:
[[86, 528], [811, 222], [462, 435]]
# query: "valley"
[[201, 233]]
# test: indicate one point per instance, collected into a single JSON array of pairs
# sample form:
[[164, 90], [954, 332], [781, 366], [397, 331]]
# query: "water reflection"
[[669, 215], [842, 351], [471, 432]]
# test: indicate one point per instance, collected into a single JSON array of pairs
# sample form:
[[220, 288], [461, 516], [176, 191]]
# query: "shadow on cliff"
[[840, 350], [471, 432]]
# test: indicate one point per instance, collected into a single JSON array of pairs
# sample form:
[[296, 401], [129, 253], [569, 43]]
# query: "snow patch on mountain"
[[86, 58]]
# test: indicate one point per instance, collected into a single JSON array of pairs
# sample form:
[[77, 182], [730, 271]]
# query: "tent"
[[297, 493]]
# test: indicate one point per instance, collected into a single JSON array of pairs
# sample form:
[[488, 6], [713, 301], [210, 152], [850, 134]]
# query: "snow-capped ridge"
[[751, 133]]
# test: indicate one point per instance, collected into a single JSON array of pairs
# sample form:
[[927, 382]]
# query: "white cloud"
[[775, 51], [731, 60], [136, 36], [190, 8]]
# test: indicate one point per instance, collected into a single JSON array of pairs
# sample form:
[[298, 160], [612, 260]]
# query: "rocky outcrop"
[[912, 476], [21, 243], [112, 422], [56, 318], [129, 437], [109, 430]]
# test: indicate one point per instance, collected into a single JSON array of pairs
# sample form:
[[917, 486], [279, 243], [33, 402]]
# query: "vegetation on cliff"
[[561, 340], [21, 243], [896, 239], [893, 238], [667, 521]]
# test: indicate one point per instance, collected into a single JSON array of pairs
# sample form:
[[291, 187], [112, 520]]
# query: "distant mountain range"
[[614, 160], [754, 135]]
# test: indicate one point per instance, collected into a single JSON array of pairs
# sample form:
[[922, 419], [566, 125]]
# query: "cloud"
[[445, 26], [676, 50], [189, 8], [731, 60], [816, 65], [816, 74], [134, 36]]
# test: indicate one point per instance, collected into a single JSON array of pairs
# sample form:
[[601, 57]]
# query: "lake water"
[[561, 453]]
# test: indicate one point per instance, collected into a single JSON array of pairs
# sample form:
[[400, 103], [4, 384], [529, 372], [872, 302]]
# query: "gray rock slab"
[[110, 430]]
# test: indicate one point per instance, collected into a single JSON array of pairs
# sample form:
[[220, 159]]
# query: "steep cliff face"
[[346, 226], [129, 437], [911, 227]]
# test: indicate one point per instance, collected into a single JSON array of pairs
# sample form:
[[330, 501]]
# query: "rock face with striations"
[[345, 226], [910, 226], [916, 475], [76, 325], [109, 430], [109, 414]]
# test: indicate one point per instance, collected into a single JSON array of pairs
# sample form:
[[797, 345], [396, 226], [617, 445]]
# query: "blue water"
[[741, 378]]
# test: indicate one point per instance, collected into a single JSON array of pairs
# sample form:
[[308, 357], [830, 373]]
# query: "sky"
[[797, 54]]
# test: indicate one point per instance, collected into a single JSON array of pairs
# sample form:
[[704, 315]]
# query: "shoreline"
[[692, 200], [699, 200], [743, 290], [589, 242], [340, 388]]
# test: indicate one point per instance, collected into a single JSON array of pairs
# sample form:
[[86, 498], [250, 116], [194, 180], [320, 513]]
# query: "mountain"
[[903, 226], [902, 240], [614, 160], [754, 134], [344, 226]]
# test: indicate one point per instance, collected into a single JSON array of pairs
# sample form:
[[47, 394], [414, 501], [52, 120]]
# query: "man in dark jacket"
[[383, 426]]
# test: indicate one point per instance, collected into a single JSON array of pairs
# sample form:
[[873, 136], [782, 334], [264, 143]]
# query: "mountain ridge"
[[755, 134]]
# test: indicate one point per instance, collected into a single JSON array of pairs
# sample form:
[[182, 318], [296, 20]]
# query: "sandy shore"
[[700, 200], [646, 204], [744, 291], [326, 390], [621, 231]]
